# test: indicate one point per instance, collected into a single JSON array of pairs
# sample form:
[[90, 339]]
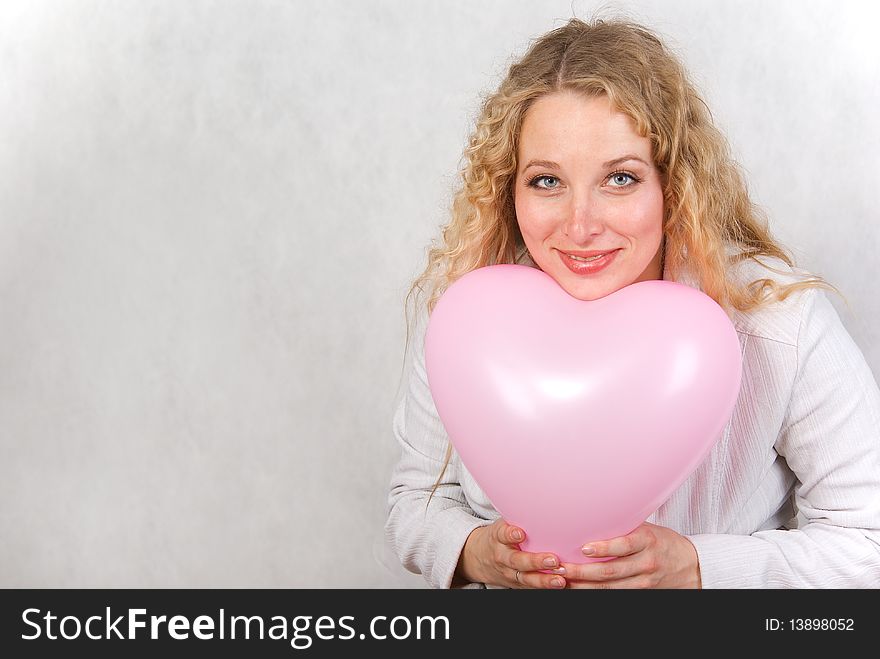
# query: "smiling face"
[[588, 197]]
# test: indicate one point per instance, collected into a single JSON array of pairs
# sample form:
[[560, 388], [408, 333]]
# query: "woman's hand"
[[491, 555], [649, 557]]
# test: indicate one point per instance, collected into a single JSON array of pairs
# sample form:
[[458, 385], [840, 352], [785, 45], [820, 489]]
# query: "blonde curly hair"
[[706, 202], [707, 208]]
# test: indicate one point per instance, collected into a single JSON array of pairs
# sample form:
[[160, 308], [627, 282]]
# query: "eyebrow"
[[622, 159], [549, 164]]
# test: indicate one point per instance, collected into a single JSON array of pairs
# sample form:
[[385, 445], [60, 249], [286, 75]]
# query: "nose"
[[585, 219]]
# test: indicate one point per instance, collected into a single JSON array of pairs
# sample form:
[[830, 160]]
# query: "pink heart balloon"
[[579, 419]]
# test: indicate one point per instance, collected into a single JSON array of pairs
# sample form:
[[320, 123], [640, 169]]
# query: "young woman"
[[597, 162]]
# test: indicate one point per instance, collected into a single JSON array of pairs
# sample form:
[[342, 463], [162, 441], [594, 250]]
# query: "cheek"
[[534, 218], [645, 217]]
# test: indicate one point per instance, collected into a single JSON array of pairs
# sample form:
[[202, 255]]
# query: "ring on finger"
[[516, 577]]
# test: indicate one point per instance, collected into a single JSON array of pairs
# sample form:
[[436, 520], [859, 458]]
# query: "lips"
[[587, 254], [601, 259]]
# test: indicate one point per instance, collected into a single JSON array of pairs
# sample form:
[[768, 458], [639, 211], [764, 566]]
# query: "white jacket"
[[789, 497]]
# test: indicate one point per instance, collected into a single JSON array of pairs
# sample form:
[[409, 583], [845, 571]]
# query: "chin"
[[584, 289], [588, 294]]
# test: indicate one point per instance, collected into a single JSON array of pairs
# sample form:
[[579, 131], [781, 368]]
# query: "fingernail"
[[559, 570], [517, 535], [558, 583], [550, 561], [587, 549]]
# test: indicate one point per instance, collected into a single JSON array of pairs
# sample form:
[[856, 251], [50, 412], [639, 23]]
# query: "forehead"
[[573, 125]]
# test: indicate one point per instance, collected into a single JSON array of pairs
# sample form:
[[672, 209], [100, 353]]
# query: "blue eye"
[[622, 179], [551, 182]]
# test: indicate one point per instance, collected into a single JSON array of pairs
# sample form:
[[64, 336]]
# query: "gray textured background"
[[210, 213]]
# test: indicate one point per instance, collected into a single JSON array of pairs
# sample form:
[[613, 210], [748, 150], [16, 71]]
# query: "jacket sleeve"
[[830, 439], [428, 537]]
